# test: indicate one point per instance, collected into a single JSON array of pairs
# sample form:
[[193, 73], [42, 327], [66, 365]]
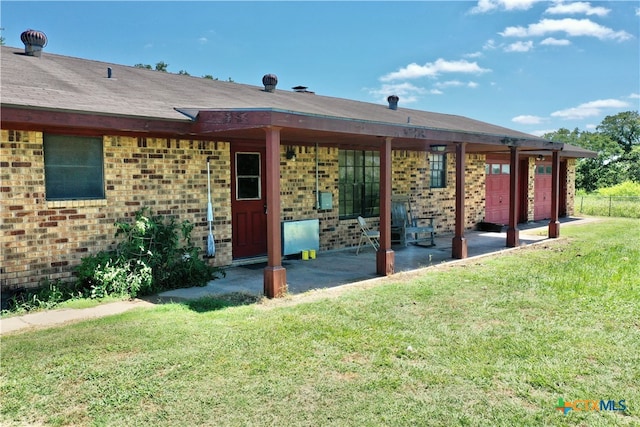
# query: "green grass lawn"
[[491, 342]]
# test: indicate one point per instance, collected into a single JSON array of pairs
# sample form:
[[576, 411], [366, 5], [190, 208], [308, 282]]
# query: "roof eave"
[[223, 120], [49, 119]]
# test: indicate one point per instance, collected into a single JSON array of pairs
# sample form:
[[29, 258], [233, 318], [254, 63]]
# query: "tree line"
[[616, 140]]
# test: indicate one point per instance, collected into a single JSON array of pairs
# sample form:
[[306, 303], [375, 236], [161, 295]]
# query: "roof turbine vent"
[[33, 41], [393, 101], [269, 81]]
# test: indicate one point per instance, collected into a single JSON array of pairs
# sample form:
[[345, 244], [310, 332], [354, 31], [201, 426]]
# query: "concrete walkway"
[[328, 270]]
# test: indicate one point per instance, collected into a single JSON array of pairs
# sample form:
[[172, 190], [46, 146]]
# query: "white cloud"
[[473, 55], [490, 45], [607, 103], [634, 96], [407, 92], [436, 92], [433, 69], [578, 7], [450, 83], [550, 41], [542, 132], [203, 40], [485, 6], [591, 126], [519, 47], [638, 11], [527, 120], [569, 26], [589, 109], [456, 83]]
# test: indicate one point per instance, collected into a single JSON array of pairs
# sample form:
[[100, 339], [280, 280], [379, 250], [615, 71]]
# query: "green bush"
[[155, 254], [122, 278], [627, 188]]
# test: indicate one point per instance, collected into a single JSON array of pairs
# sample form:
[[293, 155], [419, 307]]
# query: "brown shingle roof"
[[62, 83], [66, 83]]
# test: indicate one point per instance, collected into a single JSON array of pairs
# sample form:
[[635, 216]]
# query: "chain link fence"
[[618, 206]]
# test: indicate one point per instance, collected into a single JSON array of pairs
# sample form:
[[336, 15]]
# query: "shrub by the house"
[[155, 254]]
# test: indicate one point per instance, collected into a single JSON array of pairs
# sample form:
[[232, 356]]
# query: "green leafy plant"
[[121, 279], [156, 253], [48, 295]]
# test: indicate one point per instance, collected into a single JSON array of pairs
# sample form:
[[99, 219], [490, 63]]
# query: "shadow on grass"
[[210, 303]]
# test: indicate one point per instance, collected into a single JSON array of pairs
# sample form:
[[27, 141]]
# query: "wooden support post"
[[554, 223], [385, 257], [275, 276], [513, 234], [459, 242]]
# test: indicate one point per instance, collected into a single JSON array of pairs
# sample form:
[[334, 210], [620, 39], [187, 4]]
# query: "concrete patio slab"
[[335, 268]]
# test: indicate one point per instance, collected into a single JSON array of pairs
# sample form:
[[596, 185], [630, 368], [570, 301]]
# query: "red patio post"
[[385, 257], [513, 234], [275, 276], [459, 242], [554, 223]]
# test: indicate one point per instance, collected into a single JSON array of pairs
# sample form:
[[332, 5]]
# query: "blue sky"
[[529, 65]]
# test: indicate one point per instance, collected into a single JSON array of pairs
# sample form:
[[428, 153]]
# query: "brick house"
[[85, 143]]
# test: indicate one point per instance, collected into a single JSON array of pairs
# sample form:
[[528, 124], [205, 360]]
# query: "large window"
[[73, 167], [359, 183], [437, 168]]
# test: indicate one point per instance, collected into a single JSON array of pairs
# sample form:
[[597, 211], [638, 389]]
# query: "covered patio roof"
[[303, 128]]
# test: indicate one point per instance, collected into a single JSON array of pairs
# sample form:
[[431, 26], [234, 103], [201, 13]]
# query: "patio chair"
[[405, 227], [372, 236]]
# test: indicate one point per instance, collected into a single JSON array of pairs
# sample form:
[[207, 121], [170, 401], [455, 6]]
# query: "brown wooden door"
[[248, 201]]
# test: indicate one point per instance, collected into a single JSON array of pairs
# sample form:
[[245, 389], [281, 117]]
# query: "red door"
[[497, 190], [248, 201], [542, 191]]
